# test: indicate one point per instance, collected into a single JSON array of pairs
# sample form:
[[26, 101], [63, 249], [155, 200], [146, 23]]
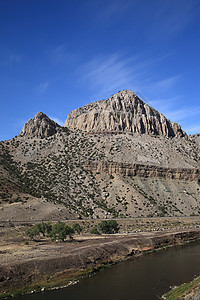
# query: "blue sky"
[[57, 55]]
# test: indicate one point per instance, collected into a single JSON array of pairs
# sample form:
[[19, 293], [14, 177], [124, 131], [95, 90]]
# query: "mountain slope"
[[51, 172]]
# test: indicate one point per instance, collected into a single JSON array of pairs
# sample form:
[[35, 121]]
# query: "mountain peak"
[[122, 112], [40, 126]]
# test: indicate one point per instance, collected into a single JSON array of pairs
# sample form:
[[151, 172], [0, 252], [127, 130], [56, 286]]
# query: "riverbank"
[[44, 264], [187, 291]]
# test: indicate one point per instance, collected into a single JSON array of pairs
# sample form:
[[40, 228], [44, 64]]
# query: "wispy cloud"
[[166, 83], [113, 8], [42, 88], [183, 113], [106, 12], [173, 17], [108, 73], [168, 106], [193, 129], [10, 59], [57, 120], [164, 105], [62, 55]]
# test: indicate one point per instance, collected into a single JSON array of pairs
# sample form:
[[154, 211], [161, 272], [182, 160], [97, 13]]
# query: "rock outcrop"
[[144, 170], [122, 112], [40, 126]]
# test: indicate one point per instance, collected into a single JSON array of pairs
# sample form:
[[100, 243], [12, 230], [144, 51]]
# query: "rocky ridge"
[[122, 112], [55, 172], [40, 126]]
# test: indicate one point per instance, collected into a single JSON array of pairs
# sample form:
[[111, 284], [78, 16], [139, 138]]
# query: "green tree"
[[94, 231], [48, 228], [108, 227], [43, 228], [114, 227], [60, 231], [77, 228], [33, 232]]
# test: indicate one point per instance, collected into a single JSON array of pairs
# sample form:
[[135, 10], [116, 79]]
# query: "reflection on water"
[[143, 278]]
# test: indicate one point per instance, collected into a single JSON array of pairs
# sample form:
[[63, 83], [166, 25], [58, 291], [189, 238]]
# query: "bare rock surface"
[[124, 112], [40, 126]]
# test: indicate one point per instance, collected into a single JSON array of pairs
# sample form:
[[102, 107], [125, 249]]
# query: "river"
[[143, 278]]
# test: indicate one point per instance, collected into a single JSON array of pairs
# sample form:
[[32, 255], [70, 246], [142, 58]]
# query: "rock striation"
[[122, 112], [40, 126], [144, 170]]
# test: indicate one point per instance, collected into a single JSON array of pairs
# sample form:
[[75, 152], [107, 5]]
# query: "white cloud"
[[166, 83], [58, 121], [105, 73], [111, 73], [183, 113], [168, 107], [41, 89]]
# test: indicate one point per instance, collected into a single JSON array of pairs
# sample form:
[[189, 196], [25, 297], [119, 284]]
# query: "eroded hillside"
[[51, 172]]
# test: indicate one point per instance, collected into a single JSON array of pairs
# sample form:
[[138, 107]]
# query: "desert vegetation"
[[58, 231]]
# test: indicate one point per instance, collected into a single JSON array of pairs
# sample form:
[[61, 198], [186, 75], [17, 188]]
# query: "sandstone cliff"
[[144, 170], [122, 112], [40, 126]]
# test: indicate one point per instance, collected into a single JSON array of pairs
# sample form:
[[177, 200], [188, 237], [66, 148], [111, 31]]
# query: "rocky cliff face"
[[122, 112], [40, 126], [144, 170]]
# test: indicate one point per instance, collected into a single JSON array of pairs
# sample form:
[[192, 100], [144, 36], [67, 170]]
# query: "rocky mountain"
[[40, 126], [102, 165], [122, 112]]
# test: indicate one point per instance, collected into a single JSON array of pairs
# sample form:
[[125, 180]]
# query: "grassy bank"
[[184, 289], [57, 281]]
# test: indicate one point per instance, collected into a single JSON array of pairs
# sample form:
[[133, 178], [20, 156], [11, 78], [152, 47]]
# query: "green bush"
[[60, 231], [94, 231], [39, 228], [33, 232], [108, 227], [77, 228]]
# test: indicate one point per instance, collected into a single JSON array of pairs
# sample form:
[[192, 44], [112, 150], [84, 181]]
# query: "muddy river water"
[[142, 278]]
